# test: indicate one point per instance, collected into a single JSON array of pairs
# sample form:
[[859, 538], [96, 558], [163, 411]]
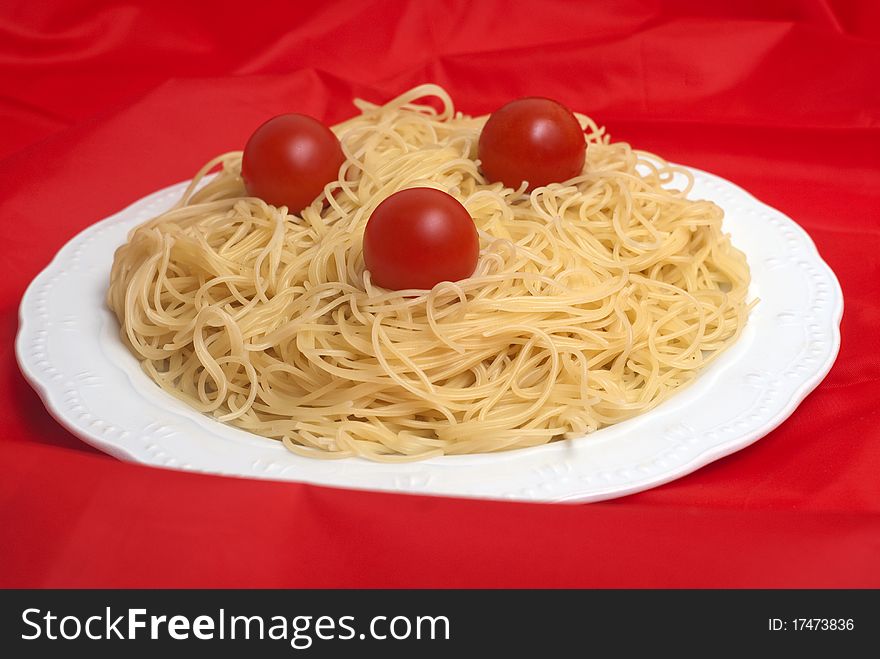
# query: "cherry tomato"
[[289, 159], [532, 139], [417, 238]]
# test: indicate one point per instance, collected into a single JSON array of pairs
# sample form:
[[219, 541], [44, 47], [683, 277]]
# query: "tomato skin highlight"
[[417, 238], [532, 139], [289, 159]]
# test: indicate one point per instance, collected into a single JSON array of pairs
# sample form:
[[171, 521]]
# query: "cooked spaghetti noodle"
[[593, 299]]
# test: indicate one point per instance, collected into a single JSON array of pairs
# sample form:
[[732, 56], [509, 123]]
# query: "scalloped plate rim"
[[709, 454]]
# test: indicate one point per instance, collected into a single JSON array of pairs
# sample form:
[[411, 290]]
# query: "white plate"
[[69, 348]]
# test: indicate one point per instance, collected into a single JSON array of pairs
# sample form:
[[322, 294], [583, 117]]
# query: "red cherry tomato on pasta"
[[532, 139], [289, 159], [417, 238]]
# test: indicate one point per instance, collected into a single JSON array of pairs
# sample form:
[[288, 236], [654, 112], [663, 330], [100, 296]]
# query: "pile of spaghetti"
[[593, 299]]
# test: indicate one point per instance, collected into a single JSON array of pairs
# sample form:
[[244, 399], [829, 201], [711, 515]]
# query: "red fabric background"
[[101, 104]]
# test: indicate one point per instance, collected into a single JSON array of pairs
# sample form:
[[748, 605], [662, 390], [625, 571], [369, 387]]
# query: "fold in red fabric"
[[103, 103]]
